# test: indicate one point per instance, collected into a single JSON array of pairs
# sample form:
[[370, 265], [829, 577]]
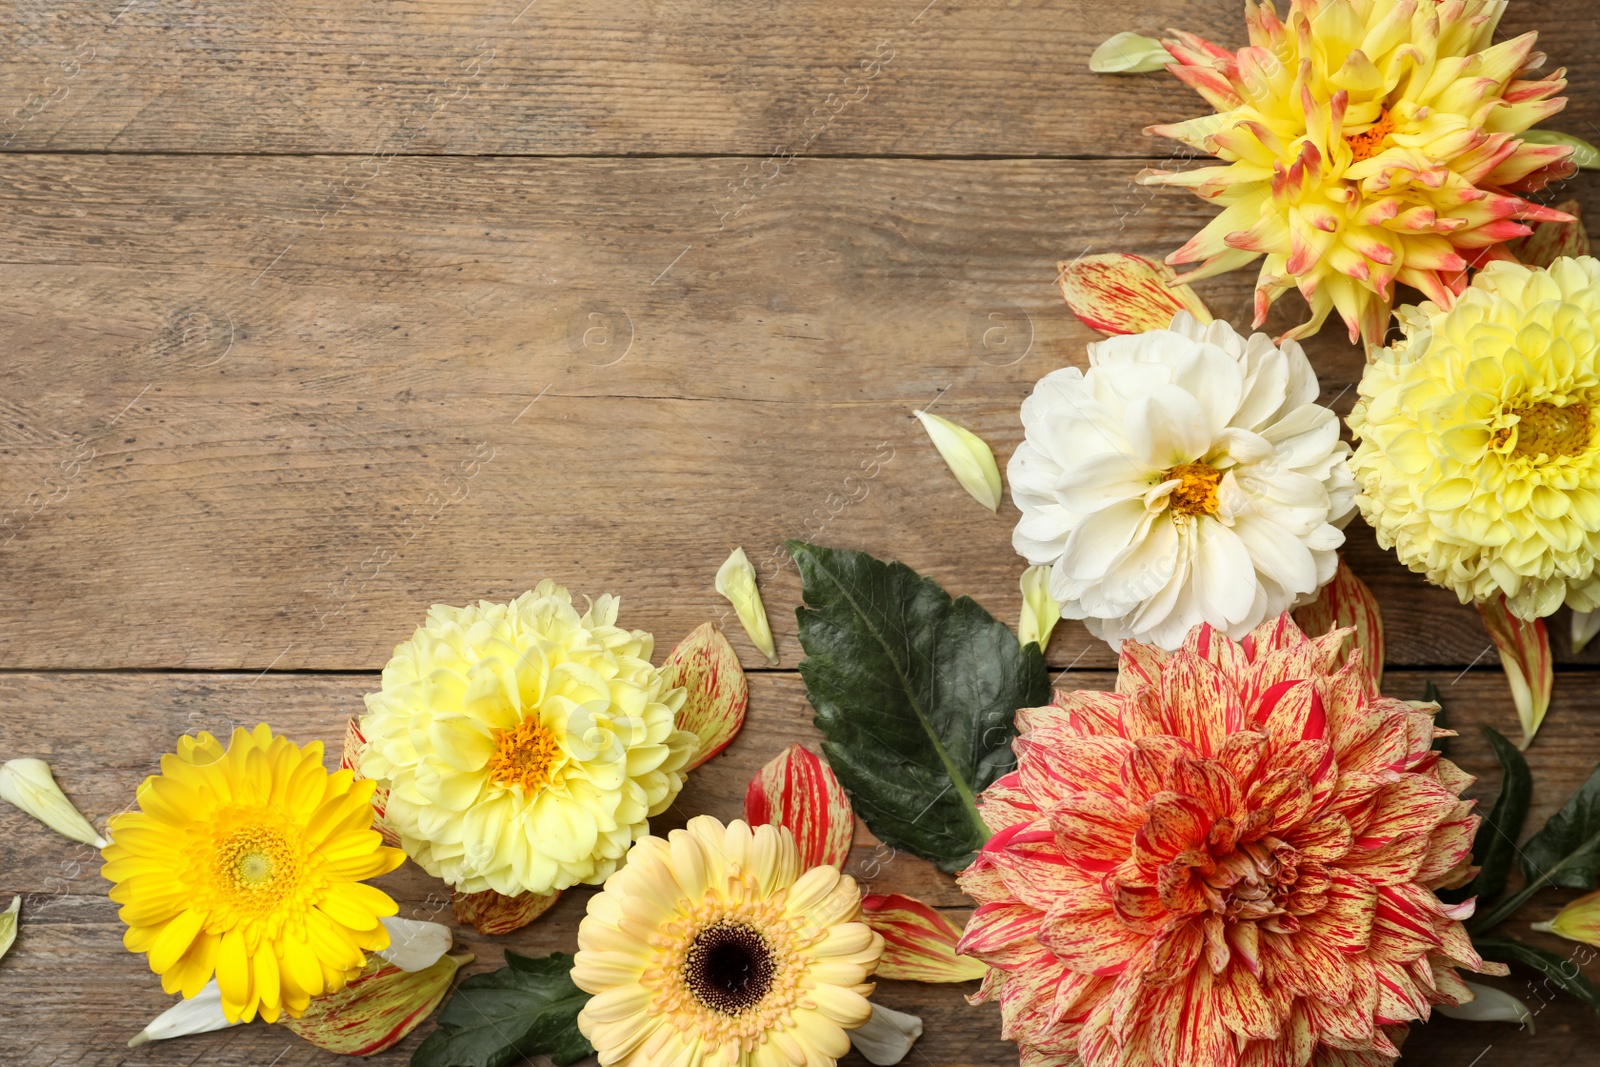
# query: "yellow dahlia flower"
[[249, 864], [1363, 143], [715, 947], [524, 745], [1478, 455]]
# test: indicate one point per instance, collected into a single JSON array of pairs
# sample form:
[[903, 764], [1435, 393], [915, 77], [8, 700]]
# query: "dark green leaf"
[[527, 1008], [1496, 843], [1567, 851], [916, 695], [1560, 972], [1431, 695]]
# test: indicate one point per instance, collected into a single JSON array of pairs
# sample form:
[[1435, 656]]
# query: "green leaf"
[[1584, 154], [1559, 971], [1496, 842], [527, 1008], [1431, 695], [1565, 853], [916, 695]]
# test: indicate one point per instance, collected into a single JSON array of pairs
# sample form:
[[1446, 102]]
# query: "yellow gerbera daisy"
[[1364, 143], [249, 864], [1479, 439], [714, 947], [524, 745]]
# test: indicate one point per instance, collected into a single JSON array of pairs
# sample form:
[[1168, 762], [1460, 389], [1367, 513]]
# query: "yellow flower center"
[[728, 970], [1369, 142], [1547, 429], [1196, 492], [523, 756], [255, 867]]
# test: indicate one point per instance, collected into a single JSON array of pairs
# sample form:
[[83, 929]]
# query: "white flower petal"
[[200, 1014], [1166, 427], [736, 580], [1040, 612], [28, 784], [967, 456], [1489, 1005], [414, 944], [886, 1037], [1223, 583]]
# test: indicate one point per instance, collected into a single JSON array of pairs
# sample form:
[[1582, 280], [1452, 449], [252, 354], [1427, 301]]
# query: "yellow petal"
[[1040, 612], [8, 925], [28, 784], [1129, 53], [969, 459], [736, 580]]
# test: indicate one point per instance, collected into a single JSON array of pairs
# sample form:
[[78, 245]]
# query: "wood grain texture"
[[252, 416], [69, 993], [608, 77]]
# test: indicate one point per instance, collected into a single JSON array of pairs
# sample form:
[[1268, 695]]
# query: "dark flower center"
[[730, 967]]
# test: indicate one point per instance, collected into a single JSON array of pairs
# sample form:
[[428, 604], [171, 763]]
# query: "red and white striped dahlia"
[[1230, 860]]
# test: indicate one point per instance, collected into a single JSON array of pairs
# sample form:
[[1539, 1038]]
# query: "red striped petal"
[[919, 944], [1123, 293], [1524, 647], [705, 664], [495, 913], [1346, 601], [377, 1008], [798, 790]]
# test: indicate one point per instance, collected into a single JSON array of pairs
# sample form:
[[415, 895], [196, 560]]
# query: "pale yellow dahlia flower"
[[716, 947], [524, 745], [1363, 143], [1478, 454], [249, 864]]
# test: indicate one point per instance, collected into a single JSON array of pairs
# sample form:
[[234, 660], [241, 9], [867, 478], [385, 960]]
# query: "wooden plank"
[[563, 77], [249, 422], [70, 988]]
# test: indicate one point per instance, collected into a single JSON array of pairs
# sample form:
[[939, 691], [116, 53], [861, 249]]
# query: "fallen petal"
[[919, 944], [415, 944], [1347, 602], [1551, 241], [200, 1014], [28, 784], [1040, 612], [798, 790], [1585, 624], [1489, 1005], [1129, 53], [1578, 921], [377, 1008], [8, 925], [969, 458], [1119, 292], [736, 580], [706, 666], [1524, 647], [489, 912], [886, 1037]]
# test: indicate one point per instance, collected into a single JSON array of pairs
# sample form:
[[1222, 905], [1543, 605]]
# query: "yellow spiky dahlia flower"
[[1478, 454], [524, 745], [1363, 143], [716, 947], [249, 863]]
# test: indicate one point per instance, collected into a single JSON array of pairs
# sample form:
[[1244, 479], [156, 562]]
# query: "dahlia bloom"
[[1186, 477], [716, 947], [249, 864], [1363, 143], [524, 745], [1478, 455], [1230, 860]]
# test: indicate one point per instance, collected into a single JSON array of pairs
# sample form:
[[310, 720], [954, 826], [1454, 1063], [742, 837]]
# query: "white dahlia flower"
[[1187, 477], [524, 745]]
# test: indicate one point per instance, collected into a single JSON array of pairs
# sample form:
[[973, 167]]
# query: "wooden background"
[[318, 312]]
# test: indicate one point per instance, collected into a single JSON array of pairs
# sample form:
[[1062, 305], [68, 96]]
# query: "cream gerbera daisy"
[[1479, 439], [524, 745], [249, 864], [713, 947], [1363, 143]]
